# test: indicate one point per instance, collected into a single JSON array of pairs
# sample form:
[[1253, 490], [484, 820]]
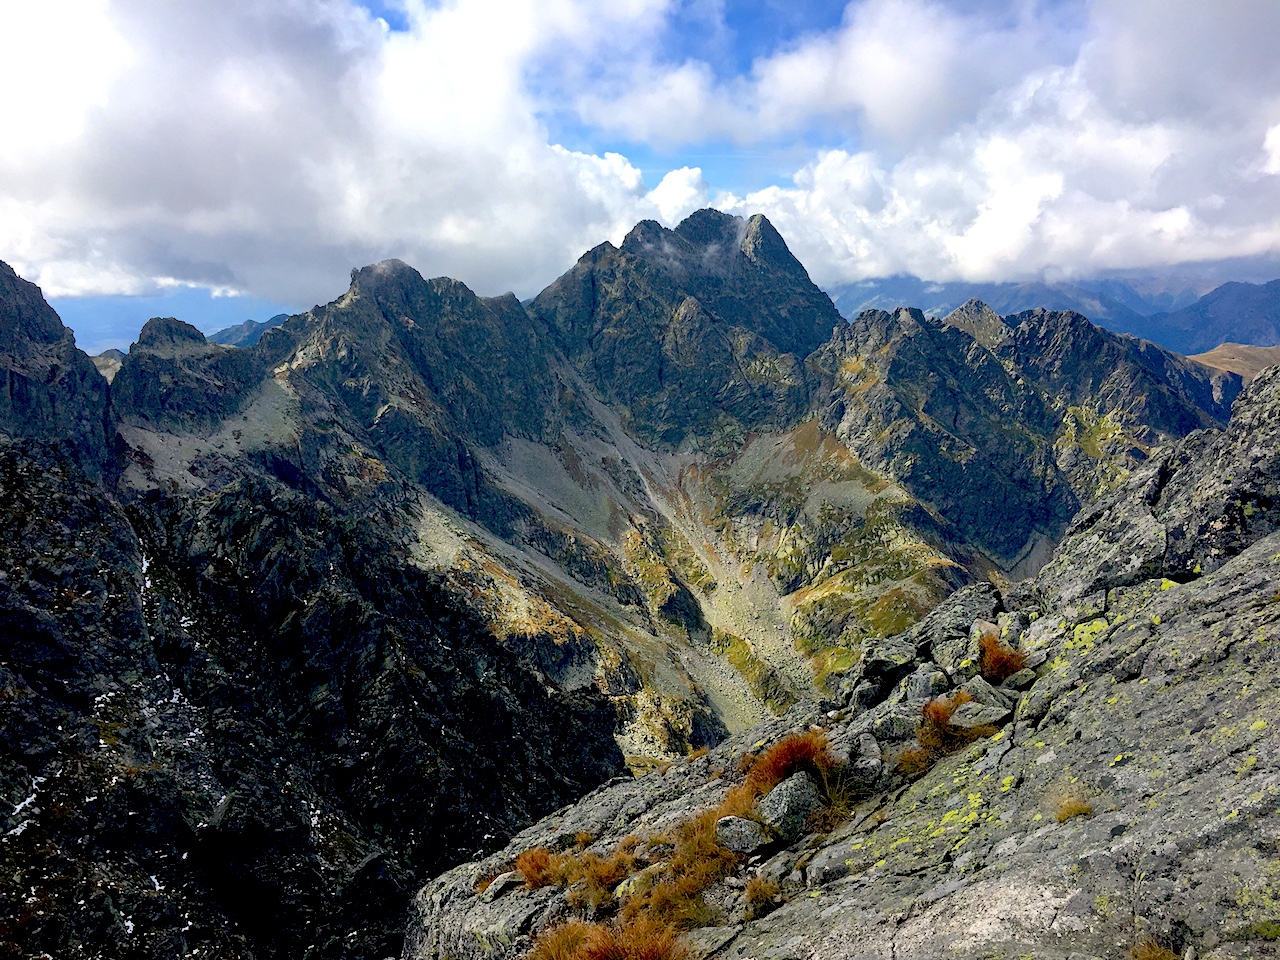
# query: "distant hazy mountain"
[[248, 333], [108, 363], [1185, 315], [1247, 313], [1121, 301]]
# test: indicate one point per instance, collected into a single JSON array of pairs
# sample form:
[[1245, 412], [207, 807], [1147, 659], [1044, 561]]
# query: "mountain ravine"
[[292, 627]]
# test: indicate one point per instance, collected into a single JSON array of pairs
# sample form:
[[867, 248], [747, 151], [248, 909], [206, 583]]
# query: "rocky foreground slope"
[[1122, 789]]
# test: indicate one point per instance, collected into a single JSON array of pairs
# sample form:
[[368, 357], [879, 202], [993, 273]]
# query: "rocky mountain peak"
[[761, 243], [159, 333], [24, 316], [711, 243], [174, 377], [49, 389], [979, 321], [389, 271]]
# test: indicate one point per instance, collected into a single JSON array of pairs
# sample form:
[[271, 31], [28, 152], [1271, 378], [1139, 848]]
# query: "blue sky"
[[227, 161]]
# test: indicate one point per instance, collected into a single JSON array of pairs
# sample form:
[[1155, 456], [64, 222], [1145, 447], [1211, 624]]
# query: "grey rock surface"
[[51, 390], [786, 808], [740, 834]]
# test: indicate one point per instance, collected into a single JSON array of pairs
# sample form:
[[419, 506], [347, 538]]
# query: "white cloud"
[[1271, 147], [60, 57], [679, 194], [269, 146], [1116, 160]]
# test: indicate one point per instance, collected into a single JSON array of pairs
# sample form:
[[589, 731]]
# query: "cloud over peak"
[[268, 147]]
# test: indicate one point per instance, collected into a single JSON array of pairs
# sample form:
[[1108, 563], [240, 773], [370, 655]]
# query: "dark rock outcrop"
[[173, 378], [262, 721], [51, 389], [236, 718], [688, 327]]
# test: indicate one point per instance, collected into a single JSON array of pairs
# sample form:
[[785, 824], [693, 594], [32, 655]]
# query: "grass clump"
[[937, 735], [620, 940], [997, 660], [1149, 948], [1066, 801], [540, 867], [673, 895], [697, 859], [800, 751], [1070, 807], [760, 895], [589, 878], [667, 897]]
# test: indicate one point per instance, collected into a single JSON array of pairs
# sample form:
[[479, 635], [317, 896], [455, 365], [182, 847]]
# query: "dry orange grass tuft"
[[937, 712], [599, 876], [540, 867], [638, 940], [999, 661], [800, 751], [1149, 949], [914, 761], [697, 860], [937, 736], [668, 897], [590, 878], [810, 751], [759, 894], [1067, 800], [583, 839], [1070, 807], [562, 942]]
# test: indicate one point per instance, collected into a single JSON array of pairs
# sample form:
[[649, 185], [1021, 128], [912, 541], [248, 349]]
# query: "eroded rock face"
[[174, 379], [1185, 513], [51, 390], [1132, 792], [235, 718], [260, 719], [696, 331]]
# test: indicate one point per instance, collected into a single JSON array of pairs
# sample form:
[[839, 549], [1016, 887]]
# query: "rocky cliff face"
[[51, 389], [351, 605], [1118, 792], [699, 332]]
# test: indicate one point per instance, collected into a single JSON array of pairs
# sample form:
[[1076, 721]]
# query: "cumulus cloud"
[[894, 70], [679, 194], [1149, 147], [269, 146]]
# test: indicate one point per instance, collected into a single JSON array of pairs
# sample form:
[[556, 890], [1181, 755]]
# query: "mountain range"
[[295, 625], [1189, 316]]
